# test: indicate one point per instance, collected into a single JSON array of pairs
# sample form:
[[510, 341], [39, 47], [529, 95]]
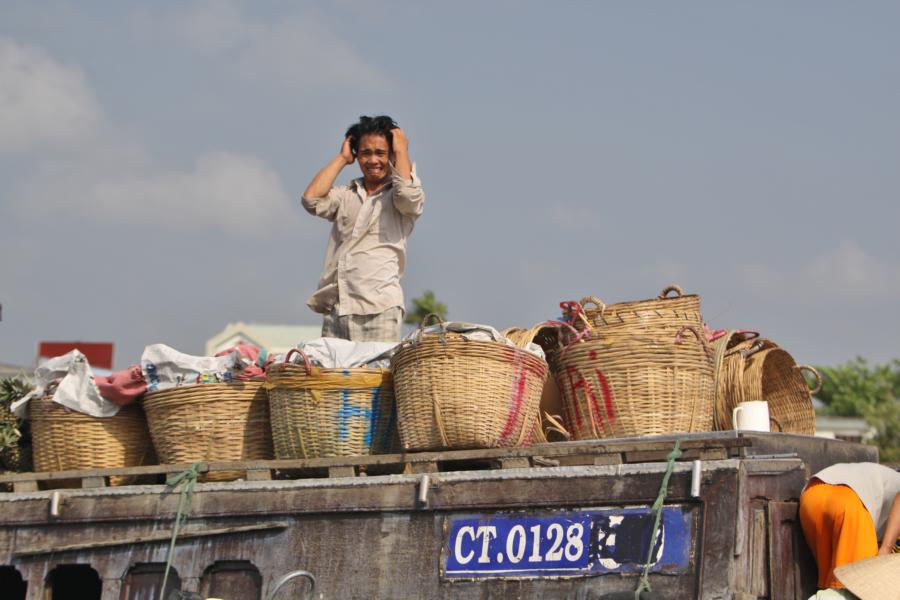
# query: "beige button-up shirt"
[[366, 254]]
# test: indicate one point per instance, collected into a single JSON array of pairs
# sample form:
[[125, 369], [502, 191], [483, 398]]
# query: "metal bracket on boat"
[[288, 577], [424, 484], [54, 505], [696, 474]]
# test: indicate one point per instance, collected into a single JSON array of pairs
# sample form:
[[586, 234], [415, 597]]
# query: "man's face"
[[373, 156]]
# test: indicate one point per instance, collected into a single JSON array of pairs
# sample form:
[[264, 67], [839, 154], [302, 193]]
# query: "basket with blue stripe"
[[319, 412]]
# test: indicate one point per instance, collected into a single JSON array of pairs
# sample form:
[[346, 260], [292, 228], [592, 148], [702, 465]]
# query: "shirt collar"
[[360, 184]]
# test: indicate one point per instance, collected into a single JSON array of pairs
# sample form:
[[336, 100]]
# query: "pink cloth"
[[122, 387], [250, 352]]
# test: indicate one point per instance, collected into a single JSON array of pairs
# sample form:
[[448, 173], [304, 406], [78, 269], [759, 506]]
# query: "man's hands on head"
[[400, 141], [323, 180], [347, 151], [402, 164]]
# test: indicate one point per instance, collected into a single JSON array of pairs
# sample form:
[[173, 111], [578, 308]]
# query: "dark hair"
[[380, 125]]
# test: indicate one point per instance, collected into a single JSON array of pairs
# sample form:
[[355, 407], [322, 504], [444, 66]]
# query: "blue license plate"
[[580, 542]]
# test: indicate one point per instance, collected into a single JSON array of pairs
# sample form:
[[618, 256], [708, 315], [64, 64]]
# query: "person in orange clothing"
[[850, 511]]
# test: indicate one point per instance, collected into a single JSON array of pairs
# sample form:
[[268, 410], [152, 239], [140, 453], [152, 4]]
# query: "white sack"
[[76, 390], [337, 353], [473, 331], [165, 368]]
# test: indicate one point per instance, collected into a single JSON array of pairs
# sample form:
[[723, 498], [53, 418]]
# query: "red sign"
[[99, 354]]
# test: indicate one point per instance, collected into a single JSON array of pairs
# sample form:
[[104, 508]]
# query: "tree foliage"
[[857, 389], [15, 437], [424, 305]]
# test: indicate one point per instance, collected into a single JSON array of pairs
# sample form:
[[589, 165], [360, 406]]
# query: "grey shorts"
[[383, 327]]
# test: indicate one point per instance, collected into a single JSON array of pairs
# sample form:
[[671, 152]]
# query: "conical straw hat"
[[876, 578]]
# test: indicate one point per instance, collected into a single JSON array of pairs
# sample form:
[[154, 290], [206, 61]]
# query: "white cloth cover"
[[336, 353], [165, 368], [76, 389], [473, 331]]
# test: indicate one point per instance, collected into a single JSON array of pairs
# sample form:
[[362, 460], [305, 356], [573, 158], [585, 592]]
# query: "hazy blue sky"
[[152, 155]]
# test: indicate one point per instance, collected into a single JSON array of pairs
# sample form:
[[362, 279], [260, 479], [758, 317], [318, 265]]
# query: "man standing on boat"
[[359, 292]]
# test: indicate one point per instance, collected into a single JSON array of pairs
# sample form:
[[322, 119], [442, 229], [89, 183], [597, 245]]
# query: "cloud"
[[847, 274], [94, 174], [236, 193], [302, 54], [42, 102], [574, 218]]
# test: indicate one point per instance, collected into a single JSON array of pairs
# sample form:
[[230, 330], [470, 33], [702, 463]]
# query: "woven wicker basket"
[[65, 439], [664, 315], [550, 408], [758, 369], [320, 412], [455, 393], [210, 422], [626, 385]]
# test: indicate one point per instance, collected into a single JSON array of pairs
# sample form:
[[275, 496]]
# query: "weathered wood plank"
[[587, 485], [792, 571], [759, 551], [342, 471], [27, 485], [93, 482], [712, 454], [420, 467], [162, 536], [259, 475], [550, 450]]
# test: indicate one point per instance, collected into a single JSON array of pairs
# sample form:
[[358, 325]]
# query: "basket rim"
[[410, 346], [238, 386]]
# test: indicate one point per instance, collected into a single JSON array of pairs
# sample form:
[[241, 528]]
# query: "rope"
[[188, 478], [644, 583]]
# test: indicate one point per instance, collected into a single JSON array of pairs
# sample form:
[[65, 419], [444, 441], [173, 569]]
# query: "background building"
[[273, 338]]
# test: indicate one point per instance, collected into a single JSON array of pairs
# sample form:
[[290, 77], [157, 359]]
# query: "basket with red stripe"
[[453, 392], [622, 385]]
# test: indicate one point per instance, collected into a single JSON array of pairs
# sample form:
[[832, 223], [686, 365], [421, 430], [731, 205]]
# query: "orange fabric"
[[837, 527]]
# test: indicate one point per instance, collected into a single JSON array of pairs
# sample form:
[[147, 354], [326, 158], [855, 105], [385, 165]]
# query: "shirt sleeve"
[[409, 198], [326, 207]]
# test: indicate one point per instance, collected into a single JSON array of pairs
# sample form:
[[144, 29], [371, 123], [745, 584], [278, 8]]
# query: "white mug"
[[751, 416]]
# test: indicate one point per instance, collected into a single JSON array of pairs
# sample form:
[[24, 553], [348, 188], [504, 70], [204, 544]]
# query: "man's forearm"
[[324, 179], [402, 164], [891, 528]]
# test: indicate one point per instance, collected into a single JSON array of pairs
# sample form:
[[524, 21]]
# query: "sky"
[[152, 155]]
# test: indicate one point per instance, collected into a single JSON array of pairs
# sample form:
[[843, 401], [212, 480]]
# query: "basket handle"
[[555, 425], [576, 310], [700, 338], [818, 387], [528, 337], [421, 331], [748, 352], [670, 288], [306, 362], [595, 301], [424, 322]]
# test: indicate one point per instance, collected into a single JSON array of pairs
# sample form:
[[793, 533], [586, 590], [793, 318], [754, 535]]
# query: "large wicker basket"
[[318, 412], [455, 393], [758, 369], [664, 315], [625, 385], [210, 422], [65, 439]]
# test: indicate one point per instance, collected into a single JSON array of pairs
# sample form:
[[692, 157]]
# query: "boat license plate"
[[582, 542]]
